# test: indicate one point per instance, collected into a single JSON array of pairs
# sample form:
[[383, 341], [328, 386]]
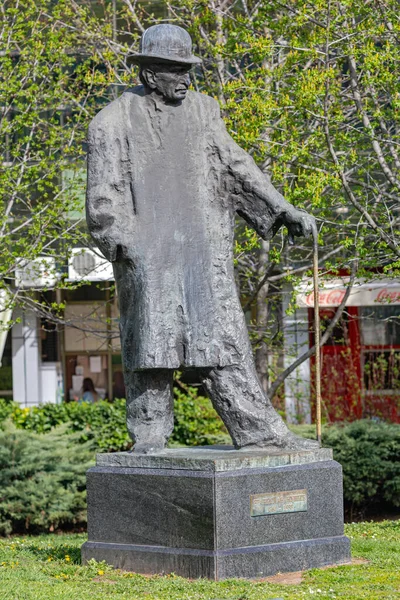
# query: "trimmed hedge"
[[196, 422], [102, 422]]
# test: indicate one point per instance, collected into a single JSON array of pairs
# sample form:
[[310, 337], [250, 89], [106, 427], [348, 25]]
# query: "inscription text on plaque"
[[278, 502]]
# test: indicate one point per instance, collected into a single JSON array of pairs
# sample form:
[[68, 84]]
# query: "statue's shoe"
[[286, 443]]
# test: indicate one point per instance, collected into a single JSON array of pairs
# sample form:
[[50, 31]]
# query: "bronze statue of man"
[[165, 181]]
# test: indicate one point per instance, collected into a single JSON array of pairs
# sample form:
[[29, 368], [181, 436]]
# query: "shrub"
[[42, 480], [196, 422], [102, 422], [369, 453], [6, 409]]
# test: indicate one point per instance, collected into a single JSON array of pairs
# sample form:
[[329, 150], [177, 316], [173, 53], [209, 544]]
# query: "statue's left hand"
[[299, 223]]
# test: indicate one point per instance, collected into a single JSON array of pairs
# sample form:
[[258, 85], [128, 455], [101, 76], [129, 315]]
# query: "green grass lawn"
[[48, 567]]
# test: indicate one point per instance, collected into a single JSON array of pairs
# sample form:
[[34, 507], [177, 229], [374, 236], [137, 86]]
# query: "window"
[[381, 370], [380, 325], [49, 337], [380, 328]]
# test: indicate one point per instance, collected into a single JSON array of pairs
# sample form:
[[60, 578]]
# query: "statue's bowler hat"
[[165, 43]]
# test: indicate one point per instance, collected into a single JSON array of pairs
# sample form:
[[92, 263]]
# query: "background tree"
[[53, 81], [310, 89]]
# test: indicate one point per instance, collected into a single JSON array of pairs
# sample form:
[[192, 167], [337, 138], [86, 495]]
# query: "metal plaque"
[[278, 502]]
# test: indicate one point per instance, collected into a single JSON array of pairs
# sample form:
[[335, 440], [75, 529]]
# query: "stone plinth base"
[[216, 512]]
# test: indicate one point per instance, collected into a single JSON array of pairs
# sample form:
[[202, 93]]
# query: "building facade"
[[45, 361], [360, 362]]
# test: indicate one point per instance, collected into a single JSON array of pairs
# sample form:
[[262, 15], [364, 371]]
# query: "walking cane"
[[317, 336]]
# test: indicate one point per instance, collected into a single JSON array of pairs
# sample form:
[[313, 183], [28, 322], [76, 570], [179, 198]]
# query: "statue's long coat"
[[164, 184]]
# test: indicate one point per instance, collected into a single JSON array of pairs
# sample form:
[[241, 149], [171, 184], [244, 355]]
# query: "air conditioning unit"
[[38, 273], [89, 265]]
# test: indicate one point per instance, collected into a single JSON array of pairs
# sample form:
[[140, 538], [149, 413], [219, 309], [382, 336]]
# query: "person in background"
[[89, 393]]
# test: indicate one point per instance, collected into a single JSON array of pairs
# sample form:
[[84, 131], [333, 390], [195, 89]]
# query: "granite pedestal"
[[216, 512]]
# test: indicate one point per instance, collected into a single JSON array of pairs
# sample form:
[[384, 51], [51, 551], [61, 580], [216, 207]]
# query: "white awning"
[[363, 293]]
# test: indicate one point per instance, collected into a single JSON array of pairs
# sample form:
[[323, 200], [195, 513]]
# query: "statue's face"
[[171, 81]]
